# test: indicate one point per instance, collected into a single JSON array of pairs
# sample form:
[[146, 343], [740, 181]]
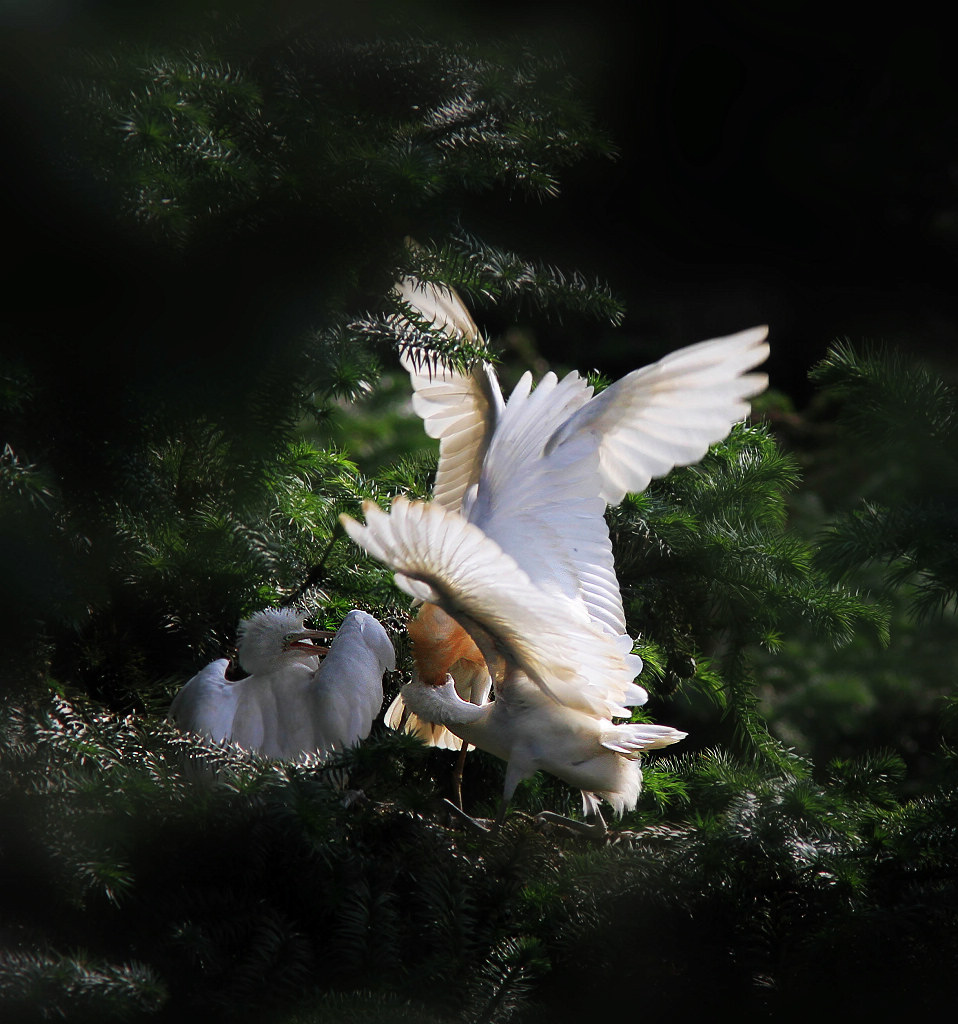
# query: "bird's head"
[[275, 637]]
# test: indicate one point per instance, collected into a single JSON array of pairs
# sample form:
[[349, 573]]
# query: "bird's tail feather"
[[631, 738]]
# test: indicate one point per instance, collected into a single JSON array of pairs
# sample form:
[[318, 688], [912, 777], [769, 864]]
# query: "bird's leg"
[[480, 825], [457, 773], [594, 828], [516, 771]]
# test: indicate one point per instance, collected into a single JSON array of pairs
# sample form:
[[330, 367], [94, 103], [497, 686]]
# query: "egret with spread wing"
[[292, 704], [560, 678], [536, 473]]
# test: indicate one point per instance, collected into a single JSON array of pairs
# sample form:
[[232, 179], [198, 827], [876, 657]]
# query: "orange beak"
[[303, 641]]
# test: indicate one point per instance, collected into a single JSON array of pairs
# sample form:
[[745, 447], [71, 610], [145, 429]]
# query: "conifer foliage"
[[903, 419], [256, 197]]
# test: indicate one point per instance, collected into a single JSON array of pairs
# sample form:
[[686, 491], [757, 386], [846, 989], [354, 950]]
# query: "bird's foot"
[[594, 829], [482, 825]]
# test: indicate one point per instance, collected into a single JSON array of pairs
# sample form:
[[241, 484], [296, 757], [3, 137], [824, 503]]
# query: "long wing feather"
[[439, 305], [460, 410], [667, 414], [440, 557]]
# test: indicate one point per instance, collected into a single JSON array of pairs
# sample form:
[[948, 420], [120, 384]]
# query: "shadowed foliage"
[[231, 214]]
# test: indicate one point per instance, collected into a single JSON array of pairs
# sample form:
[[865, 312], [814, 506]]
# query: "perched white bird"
[[518, 506], [291, 705]]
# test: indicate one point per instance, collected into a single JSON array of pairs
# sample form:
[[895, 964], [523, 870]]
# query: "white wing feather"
[[460, 410], [631, 738], [668, 414], [544, 509], [438, 556], [269, 717], [439, 305]]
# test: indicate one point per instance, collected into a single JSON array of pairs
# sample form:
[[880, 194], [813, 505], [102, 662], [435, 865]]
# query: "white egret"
[[531, 477], [535, 475], [559, 678], [291, 705]]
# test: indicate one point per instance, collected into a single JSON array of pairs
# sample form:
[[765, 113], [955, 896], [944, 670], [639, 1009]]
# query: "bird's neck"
[[438, 643], [442, 705]]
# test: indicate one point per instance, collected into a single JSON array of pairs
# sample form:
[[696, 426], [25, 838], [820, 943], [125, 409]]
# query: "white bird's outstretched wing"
[[206, 704], [346, 694], [548, 461], [460, 410], [668, 414], [440, 557], [439, 305], [246, 714]]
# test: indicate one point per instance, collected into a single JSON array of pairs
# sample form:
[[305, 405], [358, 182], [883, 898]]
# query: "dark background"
[[777, 163], [780, 163]]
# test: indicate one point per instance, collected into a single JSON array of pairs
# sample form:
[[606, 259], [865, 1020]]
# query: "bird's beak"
[[303, 641]]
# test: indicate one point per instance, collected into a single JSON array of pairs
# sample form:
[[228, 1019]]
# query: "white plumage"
[[559, 677], [292, 705], [515, 548]]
